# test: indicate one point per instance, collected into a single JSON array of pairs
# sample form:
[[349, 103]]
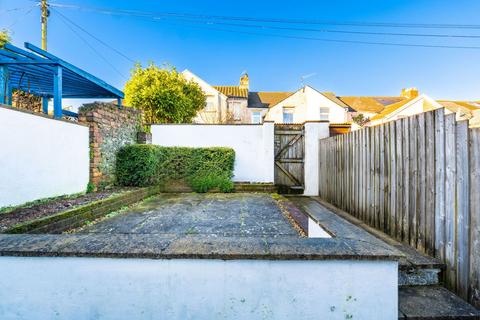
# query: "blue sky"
[[273, 63]]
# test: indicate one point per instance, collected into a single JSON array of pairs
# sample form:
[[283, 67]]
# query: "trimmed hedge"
[[203, 169]]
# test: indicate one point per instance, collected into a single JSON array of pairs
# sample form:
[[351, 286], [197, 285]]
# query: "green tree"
[[360, 119], [163, 94], [4, 37]]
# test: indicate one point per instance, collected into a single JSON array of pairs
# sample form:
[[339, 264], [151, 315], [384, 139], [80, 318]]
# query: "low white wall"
[[253, 145], [314, 131], [98, 288], [40, 157]]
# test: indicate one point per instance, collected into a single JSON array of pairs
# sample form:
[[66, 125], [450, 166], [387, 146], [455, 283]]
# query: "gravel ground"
[[49, 207]]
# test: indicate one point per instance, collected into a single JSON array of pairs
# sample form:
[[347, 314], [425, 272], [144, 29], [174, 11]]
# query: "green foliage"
[[4, 37], [360, 119], [202, 168], [225, 184], [137, 165], [163, 94], [90, 187], [204, 182]]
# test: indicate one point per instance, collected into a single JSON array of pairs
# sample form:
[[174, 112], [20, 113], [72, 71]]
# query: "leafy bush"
[[137, 165], [90, 187], [202, 168]]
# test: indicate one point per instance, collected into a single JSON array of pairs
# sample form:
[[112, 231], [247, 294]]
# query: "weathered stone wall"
[[111, 128]]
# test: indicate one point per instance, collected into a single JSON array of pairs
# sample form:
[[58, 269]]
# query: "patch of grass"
[[8, 209], [191, 231], [276, 196], [90, 187]]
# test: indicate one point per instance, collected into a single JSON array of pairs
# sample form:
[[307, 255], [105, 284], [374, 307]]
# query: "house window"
[[209, 106], [256, 117], [324, 113], [210, 103], [237, 114], [288, 114]]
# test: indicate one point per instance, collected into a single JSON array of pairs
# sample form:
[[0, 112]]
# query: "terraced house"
[[238, 105]]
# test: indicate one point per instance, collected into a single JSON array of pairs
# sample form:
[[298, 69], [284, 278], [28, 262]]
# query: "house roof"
[[334, 98], [391, 108], [233, 91], [370, 104], [266, 99], [470, 105]]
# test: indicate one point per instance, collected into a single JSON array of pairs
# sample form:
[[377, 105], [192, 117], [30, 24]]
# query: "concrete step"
[[420, 295], [255, 187], [414, 269], [432, 302]]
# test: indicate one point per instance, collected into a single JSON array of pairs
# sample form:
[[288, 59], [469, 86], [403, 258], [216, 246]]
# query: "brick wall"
[[111, 127]]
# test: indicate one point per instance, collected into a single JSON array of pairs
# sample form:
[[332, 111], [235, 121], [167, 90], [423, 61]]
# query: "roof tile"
[[233, 91]]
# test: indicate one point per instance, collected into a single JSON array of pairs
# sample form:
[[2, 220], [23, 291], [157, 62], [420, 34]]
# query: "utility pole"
[[45, 14]]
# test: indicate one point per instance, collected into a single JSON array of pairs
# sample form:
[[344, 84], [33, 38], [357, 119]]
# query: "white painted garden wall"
[[101, 288], [314, 131], [40, 157], [253, 145]]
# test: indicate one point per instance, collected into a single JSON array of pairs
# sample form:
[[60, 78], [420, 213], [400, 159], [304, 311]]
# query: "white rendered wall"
[[40, 157], [253, 145], [213, 96], [101, 288], [307, 103], [314, 131]]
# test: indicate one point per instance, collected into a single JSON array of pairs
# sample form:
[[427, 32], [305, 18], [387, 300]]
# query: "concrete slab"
[[433, 302], [206, 226], [237, 214]]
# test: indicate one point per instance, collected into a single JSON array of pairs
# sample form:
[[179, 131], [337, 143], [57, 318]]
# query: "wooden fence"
[[418, 180]]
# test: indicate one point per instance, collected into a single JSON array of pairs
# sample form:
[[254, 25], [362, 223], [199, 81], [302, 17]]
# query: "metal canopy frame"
[[43, 74]]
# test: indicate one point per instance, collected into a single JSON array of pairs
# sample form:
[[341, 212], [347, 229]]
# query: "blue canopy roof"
[[43, 74]]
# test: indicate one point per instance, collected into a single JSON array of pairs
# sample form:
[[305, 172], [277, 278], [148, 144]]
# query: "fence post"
[[269, 148], [314, 131]]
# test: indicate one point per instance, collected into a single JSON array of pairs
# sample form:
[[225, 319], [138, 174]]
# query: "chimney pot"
[[244, 81], [409, 93]]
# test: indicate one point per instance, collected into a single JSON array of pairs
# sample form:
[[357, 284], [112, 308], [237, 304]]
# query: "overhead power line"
[[95, 37], [257, 26], [269, 20], [20, 18], [207, 20], [340, 41], [65, 21], [15, 9]]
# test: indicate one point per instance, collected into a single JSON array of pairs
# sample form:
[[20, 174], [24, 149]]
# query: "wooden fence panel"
[[463, 208], [450, 212], [400, 180], [429, 208], [421, 184], [418, 180], [406, 179], [391, 211], [474, 275], [440, 241], [412, 184]]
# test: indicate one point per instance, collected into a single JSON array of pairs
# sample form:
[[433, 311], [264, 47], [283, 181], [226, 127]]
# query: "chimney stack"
[[244, 83], [409, 93]]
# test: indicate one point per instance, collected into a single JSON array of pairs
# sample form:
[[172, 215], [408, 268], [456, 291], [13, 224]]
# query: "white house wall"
[[215, 97], [40, 157], [253, 145], [307, 102], [100, 288]]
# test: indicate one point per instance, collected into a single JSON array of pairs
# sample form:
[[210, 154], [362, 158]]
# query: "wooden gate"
[[289, 157]]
